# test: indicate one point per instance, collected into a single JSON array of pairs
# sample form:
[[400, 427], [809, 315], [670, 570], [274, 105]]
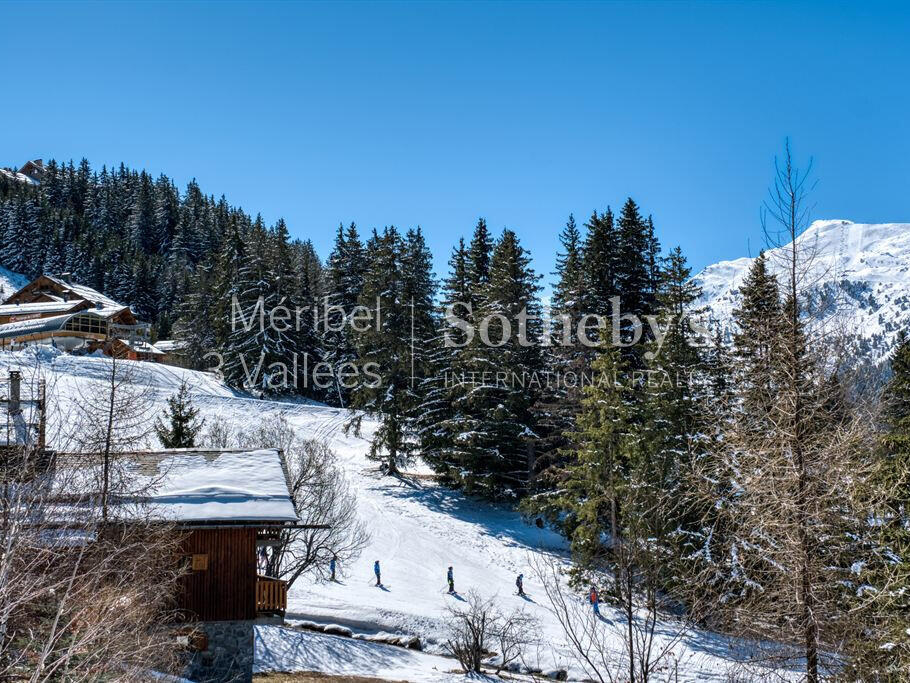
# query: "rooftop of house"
[[140, 346], [60, 306], [52, 323], [169, 345], [188, 486], [84, 292]]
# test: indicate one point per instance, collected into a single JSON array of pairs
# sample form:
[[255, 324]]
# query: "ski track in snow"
[[418, 529]]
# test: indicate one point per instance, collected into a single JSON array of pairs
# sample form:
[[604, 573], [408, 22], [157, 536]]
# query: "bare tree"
[[786, 488], [479, 629], [83, 597], [110, 419], [330, 527], [647, 637]]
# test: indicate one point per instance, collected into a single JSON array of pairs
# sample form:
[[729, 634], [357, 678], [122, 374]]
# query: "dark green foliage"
[[759, 320], [344, 278], [180, 424], [494, 386], [392, 355], [883, 650]]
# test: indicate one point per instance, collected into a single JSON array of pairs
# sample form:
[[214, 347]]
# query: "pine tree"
[[180, 424], [501, 377], [385, 390], [344, 284], [593, 483], [438, 409], [882, 647]]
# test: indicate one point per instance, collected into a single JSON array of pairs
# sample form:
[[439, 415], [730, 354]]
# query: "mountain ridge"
[[855, 274]]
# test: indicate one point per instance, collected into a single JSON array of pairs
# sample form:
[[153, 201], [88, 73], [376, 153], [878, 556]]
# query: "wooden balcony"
[[271, 595]]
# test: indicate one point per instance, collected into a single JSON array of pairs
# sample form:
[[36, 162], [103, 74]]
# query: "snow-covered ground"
[[418, 529], [289, 650]]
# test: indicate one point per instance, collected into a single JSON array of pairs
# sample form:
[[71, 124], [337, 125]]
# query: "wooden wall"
[[226, 589]]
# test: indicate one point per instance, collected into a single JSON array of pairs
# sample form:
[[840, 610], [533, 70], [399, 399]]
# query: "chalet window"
[[200, 563]]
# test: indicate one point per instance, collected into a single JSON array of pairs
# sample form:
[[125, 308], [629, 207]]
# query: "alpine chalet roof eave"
[[189, 486]]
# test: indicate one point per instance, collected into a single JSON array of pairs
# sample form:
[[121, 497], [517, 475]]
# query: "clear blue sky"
[[435, 114]]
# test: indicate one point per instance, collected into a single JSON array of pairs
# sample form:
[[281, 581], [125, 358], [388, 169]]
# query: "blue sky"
[[433, 114]]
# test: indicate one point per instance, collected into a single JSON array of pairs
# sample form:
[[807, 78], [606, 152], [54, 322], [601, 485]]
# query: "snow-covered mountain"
[[856, 275]]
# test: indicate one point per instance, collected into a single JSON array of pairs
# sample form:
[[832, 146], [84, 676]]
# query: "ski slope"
[[418, 529]]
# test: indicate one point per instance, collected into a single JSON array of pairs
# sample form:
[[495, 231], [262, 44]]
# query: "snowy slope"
[[857, 276], [417, 530], [10, 283]]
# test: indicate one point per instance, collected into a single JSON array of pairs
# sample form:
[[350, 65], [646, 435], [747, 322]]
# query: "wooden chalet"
[[226, 504], [134, 349], [174, 352], [33, 169], [54, 310]]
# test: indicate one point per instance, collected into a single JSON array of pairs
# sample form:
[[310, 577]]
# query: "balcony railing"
[[271, 595]]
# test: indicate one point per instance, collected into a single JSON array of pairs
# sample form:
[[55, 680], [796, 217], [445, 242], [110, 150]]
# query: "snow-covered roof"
[[36, 325], [191, 485], [87, 293], [168, 345], [39, 307], [140, 346]]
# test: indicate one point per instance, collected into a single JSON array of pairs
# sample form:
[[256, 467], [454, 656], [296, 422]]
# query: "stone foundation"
[[228, 655]]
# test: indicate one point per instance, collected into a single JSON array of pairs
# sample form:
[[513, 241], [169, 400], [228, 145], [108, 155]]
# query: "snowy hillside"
[[10, 283], [859, 275], [418, 529]]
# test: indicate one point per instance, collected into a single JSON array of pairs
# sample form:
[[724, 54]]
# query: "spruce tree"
[[593, 483], [495, 427], [882, 648], [566, 359], [439, 412], [758, 320], [386, 390], [180, 424], [345, 273], [599, 257]]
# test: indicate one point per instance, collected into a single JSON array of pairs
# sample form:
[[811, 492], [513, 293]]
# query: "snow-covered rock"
[[856, 275]]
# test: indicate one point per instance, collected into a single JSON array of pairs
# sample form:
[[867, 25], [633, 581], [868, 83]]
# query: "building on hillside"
[[228, 505], [134, 349], [174, 352], [54, 310], [33, 169]]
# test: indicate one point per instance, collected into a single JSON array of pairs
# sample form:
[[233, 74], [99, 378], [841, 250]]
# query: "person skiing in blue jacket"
[[451, 577], [376, 572], [332, 567]]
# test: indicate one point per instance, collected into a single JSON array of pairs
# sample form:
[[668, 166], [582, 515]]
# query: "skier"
[[376, 572], [595, 601], [519, 582], [332, 567], [451, 577]]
